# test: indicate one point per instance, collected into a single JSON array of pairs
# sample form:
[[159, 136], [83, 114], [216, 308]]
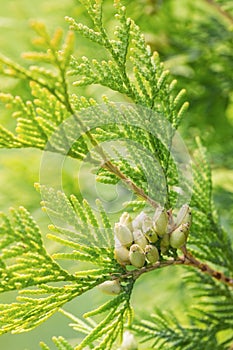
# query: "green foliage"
[[225, 6], [21, 240], [57, 120], [139, 75], [194, 40], [210, 318], [25, 263], [208, 237], [37, 120], [60, 342]]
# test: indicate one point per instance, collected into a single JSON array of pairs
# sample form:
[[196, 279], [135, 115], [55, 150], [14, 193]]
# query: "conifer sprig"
[[208, 236], [211, 316], [25, 263], [51, 120], [24, 260], [150, 85], [40, 122], [164, 330]]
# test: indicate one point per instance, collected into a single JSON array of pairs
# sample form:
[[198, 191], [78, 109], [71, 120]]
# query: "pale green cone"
[[151, 236], [160, 221], [178, 238], [136, 256], [147, 224], [123, 234], [110, 287], [139, 238], [184, 216], [164, 244], [126, 220], [138, 221], [129, 342], [121, 254], [185, 228], [151, 253]]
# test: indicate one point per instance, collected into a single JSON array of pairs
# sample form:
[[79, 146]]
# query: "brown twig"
[[188, 260], [139, 191], [107, 164], [192, 261], [158, 265]]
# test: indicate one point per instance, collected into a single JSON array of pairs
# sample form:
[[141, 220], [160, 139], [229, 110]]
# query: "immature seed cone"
[[178, 238], [185, 228], [110, 287], [151, 236], [151, 253], [126, 220], [121, 254], [123, 234], [128, 342], [160, 221], [184, 215], [139, 238], [164, 244], [147, 224], [136, 256], [138, 221]]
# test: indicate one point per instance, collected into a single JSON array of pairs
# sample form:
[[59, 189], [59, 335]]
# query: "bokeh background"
[[195, 42]]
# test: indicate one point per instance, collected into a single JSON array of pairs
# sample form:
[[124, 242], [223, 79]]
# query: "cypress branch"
[[51, 120]]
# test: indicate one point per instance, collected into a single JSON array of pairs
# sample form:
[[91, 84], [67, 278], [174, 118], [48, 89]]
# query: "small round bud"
[[138, 221], [126, 220], [151, 236], [123, 234], [184, 215], [147, 224], [160, 221], [128, 342], [178, 238], [139, 238], [164, 244], [151, 253], [185, 228], [110, 287], [136, 256], [121, 254]]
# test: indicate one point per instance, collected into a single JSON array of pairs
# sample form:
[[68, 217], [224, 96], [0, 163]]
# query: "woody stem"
[[192, 261], [188, 260]]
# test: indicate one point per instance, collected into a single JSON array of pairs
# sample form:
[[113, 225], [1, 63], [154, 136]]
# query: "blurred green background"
[[196, 44]]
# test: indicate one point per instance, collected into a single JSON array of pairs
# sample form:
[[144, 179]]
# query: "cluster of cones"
[[142, 240]]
